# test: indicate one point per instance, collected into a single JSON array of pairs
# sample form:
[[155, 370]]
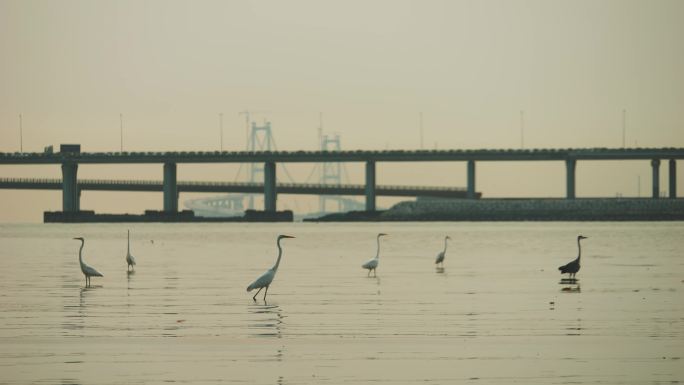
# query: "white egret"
[[265, 280], [130, 260], [573, 267], [372, 264], [440, 256], [87, 270]]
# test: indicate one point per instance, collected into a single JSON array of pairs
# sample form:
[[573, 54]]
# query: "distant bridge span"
[[234, 187]]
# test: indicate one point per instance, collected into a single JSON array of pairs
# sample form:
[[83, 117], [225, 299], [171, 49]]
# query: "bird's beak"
[[288, 236]]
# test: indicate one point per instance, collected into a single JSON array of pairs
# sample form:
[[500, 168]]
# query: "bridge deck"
[[232, 187]]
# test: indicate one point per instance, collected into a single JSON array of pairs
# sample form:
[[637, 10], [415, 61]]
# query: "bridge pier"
[[655, 165], [370, 185], [570, 166], [471, 179], [70, 192], [673, 179], [170, 188], [270, 193]]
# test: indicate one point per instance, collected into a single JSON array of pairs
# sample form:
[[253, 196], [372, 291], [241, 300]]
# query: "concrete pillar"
[[78, 198], [370, 185], [270, 194], [70, 193], [570, 165], [471, 179], [673, 179], [655, 165], [170, 188]]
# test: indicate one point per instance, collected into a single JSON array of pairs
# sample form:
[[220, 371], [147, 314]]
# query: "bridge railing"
[[157, 183]]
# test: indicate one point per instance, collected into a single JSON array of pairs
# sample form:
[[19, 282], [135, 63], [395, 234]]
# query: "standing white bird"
[[265, 279], [130, 260], [372, 264], [87, 270], [440, 256]]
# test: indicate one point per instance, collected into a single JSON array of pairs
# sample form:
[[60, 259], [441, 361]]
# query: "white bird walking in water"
[[264, 281], [372, 264], [573, 267], [87, 270], [440, 256], [130, 260]]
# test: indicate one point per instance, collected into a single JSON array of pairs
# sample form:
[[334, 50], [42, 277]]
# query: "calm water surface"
[[496, 313]]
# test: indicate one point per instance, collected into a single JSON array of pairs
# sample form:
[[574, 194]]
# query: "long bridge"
[[70, 157]]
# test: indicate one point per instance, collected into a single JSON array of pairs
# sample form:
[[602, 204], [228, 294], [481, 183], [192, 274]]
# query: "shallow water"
[[496, 313]]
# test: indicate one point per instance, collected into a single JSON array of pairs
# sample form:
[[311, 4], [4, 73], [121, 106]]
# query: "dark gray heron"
[[573, 267]]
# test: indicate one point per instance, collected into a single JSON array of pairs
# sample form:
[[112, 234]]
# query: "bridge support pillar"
[[170, 188], [673, 179], [370, 185], [270, 193], [570, 166], [655, 166], [70, 191], [471, 179]]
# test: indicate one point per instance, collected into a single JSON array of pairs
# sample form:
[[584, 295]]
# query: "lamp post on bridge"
[[21, 134]]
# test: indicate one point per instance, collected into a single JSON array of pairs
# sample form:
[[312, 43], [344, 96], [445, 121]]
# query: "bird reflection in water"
[[129, 276], [572, 289], [575, 330], [266, 320]]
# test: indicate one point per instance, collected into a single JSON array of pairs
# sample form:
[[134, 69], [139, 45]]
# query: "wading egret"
[[130, 260], [573, 267], [87, 270], [264, 281], [372, 264], [440, 256]]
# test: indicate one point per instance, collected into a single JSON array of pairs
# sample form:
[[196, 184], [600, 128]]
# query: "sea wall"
[[89, 216], [585, 209]]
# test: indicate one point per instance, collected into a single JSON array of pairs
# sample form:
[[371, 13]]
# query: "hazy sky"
[[370, 68]]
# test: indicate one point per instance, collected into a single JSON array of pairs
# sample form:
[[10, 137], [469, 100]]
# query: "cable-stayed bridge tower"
[[331, 173]]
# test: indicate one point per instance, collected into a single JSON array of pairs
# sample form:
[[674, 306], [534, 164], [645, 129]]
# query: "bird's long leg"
[[374, 273], [369, 270], [266, 292], [257, 293]]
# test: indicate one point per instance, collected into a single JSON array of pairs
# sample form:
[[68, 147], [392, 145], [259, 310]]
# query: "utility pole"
[[121, 130], [624, 126], [21, 134], [420, 123], [221, 128], [247, 119], [522, 129], [320, 131]]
